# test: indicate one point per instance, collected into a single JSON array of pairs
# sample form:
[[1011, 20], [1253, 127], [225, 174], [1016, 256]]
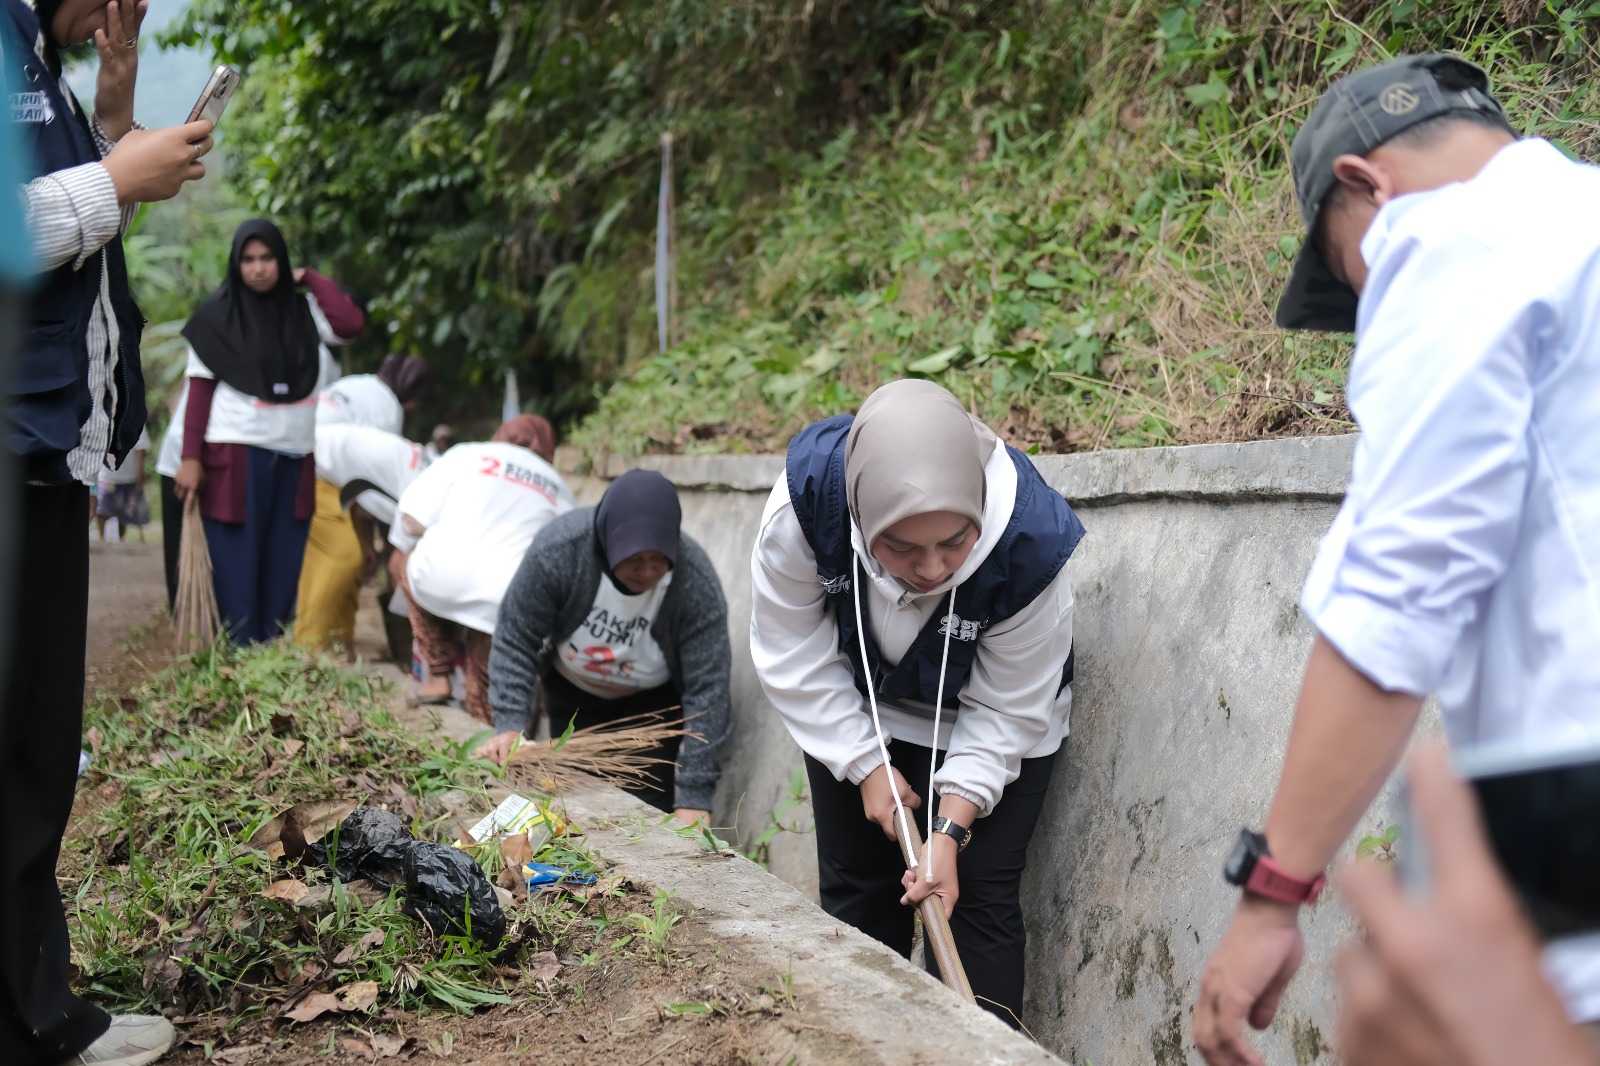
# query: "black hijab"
[[639, 513], [265, 345]]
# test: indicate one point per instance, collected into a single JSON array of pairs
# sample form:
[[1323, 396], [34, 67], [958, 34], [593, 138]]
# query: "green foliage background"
[[1075, 215]]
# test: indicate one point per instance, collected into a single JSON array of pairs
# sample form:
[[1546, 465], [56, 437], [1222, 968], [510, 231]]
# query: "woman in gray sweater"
[[614, 612]]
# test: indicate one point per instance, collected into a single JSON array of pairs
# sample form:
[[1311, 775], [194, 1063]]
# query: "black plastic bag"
[[370, 843], [444, 887]]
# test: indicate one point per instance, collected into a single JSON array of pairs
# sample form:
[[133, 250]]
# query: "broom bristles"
[[617, 753], [195, 613]]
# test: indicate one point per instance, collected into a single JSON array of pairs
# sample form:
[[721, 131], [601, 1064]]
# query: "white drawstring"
[[877, 725], [872, 701], [933, 756]]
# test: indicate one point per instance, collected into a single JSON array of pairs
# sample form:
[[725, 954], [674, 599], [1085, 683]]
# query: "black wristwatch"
[[955, 831]]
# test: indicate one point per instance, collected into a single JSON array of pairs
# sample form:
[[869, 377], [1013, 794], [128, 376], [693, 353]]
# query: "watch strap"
[[1270, 881], [954, 830]]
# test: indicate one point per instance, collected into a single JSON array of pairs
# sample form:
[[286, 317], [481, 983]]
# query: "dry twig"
[[619, 753], [195, 612]]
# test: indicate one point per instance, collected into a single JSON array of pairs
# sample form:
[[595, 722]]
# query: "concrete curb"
[[1305, 468], [850, 984]]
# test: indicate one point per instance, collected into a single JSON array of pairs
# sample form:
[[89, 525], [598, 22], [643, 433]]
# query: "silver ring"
[[131, 41]]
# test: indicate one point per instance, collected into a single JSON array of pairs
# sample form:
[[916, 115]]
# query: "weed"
[[166, 898], [1379, 846], [796, 800], [656, 927]]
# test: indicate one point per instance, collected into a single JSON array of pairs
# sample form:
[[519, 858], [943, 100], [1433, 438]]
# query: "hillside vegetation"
[[1075, 216]]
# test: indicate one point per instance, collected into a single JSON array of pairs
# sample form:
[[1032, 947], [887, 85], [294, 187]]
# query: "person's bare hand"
[[188, 479], [1453, 979], [1244, 979], [944, 884], [118, 45], [877, 802], [692, 816], [299, 275], [150, 165], [498, 748]]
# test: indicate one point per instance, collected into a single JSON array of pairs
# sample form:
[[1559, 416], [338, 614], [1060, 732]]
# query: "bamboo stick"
[[936, 933]]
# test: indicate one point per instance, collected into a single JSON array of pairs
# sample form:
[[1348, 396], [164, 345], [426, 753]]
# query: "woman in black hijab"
[[257, 356], [616, 612]]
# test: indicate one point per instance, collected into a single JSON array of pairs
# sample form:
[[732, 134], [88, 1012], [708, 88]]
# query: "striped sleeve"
[[104, 144], [71, 214]]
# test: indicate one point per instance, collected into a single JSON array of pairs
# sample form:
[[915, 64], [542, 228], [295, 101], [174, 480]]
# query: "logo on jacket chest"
[[833, 586], [31, 109], [960, 628]]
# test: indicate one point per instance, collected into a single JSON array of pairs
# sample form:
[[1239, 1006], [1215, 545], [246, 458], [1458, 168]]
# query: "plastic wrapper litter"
[[444, 887]]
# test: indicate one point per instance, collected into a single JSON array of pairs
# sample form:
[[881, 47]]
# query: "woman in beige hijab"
[[908, 546]]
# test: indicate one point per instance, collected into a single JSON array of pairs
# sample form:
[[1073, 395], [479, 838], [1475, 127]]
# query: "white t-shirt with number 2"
[[481, 505], [612, 654]]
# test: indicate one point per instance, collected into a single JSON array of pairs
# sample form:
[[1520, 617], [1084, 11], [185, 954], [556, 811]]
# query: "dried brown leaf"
[[289, 890], [360, 995], [313, 1006], [356, 1047], [516, 850], [544, 966], [387, 1046], [292, 747]]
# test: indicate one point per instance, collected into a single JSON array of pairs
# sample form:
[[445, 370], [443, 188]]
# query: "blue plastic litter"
[[541, 873]]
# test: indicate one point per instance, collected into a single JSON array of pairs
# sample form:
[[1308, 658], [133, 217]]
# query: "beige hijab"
[[913, 449]]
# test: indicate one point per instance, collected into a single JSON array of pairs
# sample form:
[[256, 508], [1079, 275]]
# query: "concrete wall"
[[1190, 648]]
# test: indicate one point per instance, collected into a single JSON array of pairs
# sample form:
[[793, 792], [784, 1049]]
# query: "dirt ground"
[[127, 598], [706, 1002]]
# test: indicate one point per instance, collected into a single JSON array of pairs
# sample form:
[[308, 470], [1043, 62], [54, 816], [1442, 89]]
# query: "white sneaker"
[[132, 1040]]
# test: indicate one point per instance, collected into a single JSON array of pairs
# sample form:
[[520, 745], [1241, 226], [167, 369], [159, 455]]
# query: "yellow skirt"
[[330, 577]]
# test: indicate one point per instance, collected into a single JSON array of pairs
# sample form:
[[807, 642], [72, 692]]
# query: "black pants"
[[566, 702], [171, 536], [860, 872], [41, 727]]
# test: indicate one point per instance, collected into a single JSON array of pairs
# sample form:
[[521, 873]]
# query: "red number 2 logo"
[[491, 466]]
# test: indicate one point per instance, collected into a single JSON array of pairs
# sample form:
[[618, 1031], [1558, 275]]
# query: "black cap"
[[1360, 112]]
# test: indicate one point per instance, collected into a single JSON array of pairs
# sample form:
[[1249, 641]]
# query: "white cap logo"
[[1398, 99]]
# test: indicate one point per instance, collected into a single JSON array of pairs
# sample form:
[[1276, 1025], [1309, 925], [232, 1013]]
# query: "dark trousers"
[[41, 727], [171, 535], [860, 871], [256, 563], [567, 703]]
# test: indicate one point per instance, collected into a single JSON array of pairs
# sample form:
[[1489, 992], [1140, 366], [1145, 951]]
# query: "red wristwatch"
[[1251, 868]]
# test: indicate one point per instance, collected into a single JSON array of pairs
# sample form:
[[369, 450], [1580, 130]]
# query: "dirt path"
[[127, 593]]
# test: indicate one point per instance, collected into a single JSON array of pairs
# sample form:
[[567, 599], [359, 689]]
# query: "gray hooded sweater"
[[550, 597]]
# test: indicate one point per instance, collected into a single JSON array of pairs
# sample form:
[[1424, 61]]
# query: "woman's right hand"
[[150, 165], [187, 481], [498, 748], [877, 801]]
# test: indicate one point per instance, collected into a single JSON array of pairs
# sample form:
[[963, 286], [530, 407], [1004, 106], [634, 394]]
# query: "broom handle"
[[935, 926]]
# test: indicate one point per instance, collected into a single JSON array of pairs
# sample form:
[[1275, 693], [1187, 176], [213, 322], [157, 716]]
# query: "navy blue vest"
[[49, 386], [1037, 542]]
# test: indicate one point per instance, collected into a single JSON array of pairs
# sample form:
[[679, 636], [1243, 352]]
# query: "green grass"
[[1079, 222], [165, 896]]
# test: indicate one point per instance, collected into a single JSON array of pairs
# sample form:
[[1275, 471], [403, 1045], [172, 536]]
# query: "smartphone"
[[1541, 808], [215, 96]]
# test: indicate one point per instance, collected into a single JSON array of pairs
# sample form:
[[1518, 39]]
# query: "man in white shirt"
[[1464, 562]]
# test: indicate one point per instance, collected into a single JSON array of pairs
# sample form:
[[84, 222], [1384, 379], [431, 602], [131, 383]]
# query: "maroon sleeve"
[[337, 306], [198, 416]]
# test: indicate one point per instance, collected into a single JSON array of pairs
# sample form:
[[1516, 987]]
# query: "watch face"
[[1236, 871]]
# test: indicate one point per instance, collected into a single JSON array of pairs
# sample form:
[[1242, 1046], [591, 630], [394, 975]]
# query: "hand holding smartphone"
[[214, 97], [1541, 811]]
